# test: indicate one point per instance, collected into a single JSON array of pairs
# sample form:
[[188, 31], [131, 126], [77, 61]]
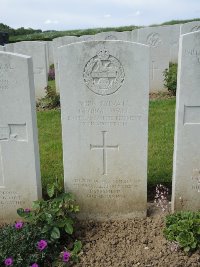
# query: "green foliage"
[[184, 228], [54, 216], [19, 31], [51, 99], [170, 80], [161, 142], [50, 221]]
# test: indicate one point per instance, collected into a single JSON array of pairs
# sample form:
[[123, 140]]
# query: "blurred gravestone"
[[158, 40], [58, 42], [19, 154], [38, 52]]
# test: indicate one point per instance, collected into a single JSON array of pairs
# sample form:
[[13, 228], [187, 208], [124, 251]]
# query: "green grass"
[[161, 140], [160, 151], [49, 129]]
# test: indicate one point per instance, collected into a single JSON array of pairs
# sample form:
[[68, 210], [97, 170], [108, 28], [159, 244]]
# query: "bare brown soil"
[[160, 95], [130, 243]]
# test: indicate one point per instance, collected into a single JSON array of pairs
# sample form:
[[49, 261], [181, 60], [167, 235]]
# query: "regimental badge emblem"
[[103, 74], [154, 39]]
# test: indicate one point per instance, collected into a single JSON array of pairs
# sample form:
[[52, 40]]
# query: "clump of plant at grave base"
[[51, 99], [170, 78], [51, 74], [161, 197], [44, 236], [183, 229]]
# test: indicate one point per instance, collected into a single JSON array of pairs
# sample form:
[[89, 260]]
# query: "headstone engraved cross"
[[104, 148], [14, 132], [105, 159]]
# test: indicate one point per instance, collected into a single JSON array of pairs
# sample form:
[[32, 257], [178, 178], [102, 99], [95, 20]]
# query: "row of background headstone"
[[106, 185], [163, 40]]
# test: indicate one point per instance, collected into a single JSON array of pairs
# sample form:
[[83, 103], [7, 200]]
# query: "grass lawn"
[[160, 152]]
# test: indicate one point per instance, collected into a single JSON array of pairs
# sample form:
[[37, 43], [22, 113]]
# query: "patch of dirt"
[[160, 95], [130, 243]]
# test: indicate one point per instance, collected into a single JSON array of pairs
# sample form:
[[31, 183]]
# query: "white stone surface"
[[58, 42], [190, 27], [86, 38], [104, 90], [2, 48], [134, 36], [106, 36], [158, 40], [186, 165], [175, 31], [20, 182], [9, 47], [50, 53], [38, 52]]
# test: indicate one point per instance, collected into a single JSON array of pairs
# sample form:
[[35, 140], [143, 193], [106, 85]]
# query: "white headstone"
[[20, 182], [50, 52], [38, 52], [2, 48], [86, 38], [175, 31], [104, 90], [158, 40], [58, 42], [190, 27], [134, 36], [9, 47], [186, 165], [106, 36]]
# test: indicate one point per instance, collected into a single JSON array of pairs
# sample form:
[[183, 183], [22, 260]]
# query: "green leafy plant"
[[44, 237], [170, 78], [51, 74], [53, 216], [51, 99], [183, 228]]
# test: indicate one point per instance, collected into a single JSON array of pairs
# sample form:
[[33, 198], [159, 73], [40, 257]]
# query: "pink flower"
[[66, 256], [18, 225], [27, 210], [34, 265], [8, 261], [41, 245]]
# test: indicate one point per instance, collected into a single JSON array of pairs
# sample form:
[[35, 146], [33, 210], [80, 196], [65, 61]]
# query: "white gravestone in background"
[[174, 42], [50, 53], [58, 42], [190, 27], [9, 47], [186, 165], [2, 48], [19, 155], [38, 52], [104, 90], [158, 40], [106, 36]]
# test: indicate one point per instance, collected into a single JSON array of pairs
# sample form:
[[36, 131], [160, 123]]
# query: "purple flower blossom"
[[34, 265], [66, 256], [19, 225], [8, 261], [27, 210], [41, 245]]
